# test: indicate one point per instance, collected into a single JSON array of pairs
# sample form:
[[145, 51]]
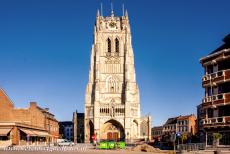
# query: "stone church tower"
[[112, 105]]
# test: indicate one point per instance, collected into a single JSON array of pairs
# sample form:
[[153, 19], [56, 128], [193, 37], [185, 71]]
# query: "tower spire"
[[126, 13], [123, 9], [112, 13], [98, 13], [101, 10]]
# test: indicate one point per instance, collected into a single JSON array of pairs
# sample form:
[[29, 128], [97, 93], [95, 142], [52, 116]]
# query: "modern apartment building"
[[214, 111]]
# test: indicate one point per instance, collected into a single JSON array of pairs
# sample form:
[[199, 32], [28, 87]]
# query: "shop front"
[[32, 137]]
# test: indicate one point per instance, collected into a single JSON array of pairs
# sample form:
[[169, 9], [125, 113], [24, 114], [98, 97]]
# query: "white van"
[[64, 142]]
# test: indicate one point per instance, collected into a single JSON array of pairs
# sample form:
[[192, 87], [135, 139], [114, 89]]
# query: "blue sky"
[[45, 51]]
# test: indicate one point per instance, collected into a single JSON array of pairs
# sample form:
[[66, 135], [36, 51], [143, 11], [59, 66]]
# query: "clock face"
[[112, 24]]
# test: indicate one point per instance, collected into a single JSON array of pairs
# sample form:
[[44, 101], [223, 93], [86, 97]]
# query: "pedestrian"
[[94, 140]]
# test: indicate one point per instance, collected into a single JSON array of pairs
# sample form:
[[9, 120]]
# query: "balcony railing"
[[216, 120], [207, 99], [220, 99], [215, 97], [215, 77]]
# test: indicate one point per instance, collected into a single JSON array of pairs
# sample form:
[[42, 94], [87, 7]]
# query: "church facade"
[[112, 101]]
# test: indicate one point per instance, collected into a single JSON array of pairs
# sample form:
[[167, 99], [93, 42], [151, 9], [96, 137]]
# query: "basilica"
[[112, 101]]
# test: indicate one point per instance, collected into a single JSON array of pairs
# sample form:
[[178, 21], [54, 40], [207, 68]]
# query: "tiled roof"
[[226, 45], [171, 121], [185, 117], [157, 127]]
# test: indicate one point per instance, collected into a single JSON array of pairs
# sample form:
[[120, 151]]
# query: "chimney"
[[33, 104], [46, 109]]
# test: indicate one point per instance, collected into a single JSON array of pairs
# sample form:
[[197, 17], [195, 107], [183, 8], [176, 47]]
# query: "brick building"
[[32, 125], [157, 132], [185, 125], [214, 111]]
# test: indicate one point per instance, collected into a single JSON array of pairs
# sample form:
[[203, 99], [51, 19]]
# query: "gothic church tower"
[[112, 106]]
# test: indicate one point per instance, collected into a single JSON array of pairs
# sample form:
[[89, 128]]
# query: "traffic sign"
[[178, 134]]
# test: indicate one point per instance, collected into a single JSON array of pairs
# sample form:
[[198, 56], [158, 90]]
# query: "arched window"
[[109, 45], [117, 45], [112, 89]]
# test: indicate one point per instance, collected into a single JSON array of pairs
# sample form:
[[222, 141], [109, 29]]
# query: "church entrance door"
[[112, 136], [112, 130], [109, 136]]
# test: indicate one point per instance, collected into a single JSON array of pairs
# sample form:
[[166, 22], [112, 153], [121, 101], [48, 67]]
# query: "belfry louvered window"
[[117, 45], [109, 45]]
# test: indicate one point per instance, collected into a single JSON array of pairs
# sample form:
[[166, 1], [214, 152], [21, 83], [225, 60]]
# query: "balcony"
[[216, 77], [220, 99], [216, 121]]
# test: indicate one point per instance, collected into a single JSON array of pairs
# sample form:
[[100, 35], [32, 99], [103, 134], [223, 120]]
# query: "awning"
[[31, 132], [40, 133], [4, 131], [28, 132]]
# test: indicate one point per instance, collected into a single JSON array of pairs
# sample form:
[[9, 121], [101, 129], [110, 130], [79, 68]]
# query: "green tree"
[[184, 137], [216, 138]]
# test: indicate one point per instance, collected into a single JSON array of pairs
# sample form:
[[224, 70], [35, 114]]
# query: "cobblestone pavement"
[[73, 152], [77, 149]]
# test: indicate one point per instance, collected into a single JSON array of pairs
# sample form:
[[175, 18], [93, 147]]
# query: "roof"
[[80, 114], [157, 127], [227, 39], [47, 113], [44, 110], [226, 45], [171, 121], [5, 96], [185, 117], [66, 123], [174, 119]]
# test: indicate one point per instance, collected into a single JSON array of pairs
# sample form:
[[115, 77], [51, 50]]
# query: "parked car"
[[64, 142]]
